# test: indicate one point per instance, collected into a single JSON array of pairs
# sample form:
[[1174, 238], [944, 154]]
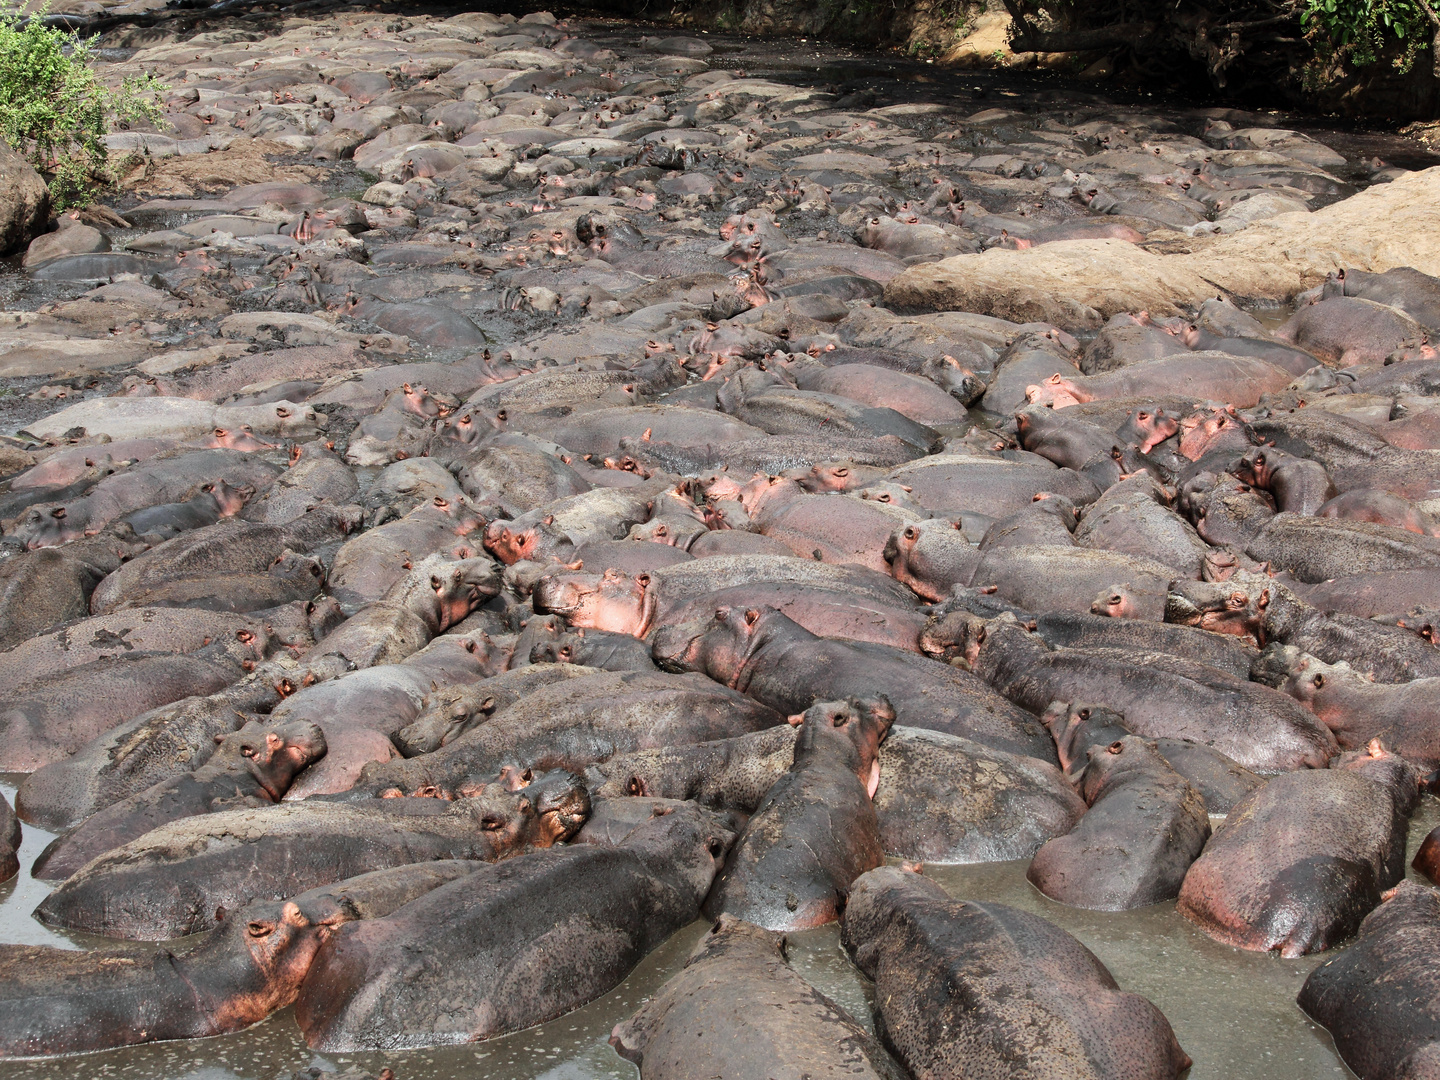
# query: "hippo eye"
[[492, 823], [1084, 714], [435, 583], [58, 512], [259, 929], [1319, 681], [1116, 599], [714, 847], [838, 719], [245, 636], [1237, 599], [1142, 416], [565, 650], [1115, 747], [909, 534]]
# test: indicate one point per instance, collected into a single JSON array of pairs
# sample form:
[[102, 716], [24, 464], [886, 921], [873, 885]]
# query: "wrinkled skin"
[[777, 1026], [1345, 330], [767, 656], [1145, 826], [1303, 859], [1298, 485], [815, 831], [1382, 508], [524, 941], [1377, 997], [253, 767], [594, 648], [979, 987], [173, 880]]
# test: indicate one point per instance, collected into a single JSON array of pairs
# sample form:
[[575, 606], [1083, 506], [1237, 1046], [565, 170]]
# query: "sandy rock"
[[24, 201]]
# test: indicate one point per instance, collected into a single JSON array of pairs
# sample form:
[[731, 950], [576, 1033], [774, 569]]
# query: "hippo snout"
[[671, 647]]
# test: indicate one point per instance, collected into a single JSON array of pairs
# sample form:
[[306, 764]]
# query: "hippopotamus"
[[1203, 339], [1146, 429], [1377, 998], [368, 564], [815, 831], [941, 799], [1382, 508], [1128, 339], [1144, 827], [1064, 629], [156, 524], [254, 766], [1077, 728], [49, 718], [1405, 715], [970, 987], [1298, 485], [1402, 287], [1072, 578], [517, 475], [494, 939], [1263, 610], [1159, 696], [912, 396], [558, 528], [449, 712], [840, 601], [737, 981], [1346, 330], [134, 631], [951, 483], [770, 454], [833, 530], [59, 1001], [1133, 517], [780, 410], [195, 568], [1048, 521], [1303, 859], [1366, 595], [576, 721], [594, 648], [1057, 436], [775, 661], [40, 590], [183, 876], [1240, 381]]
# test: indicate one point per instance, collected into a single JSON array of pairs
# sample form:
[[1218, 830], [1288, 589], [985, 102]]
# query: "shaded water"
[[1234, 1012]]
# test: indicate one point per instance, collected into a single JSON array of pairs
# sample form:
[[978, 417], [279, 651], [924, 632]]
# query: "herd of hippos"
[[453, 593]]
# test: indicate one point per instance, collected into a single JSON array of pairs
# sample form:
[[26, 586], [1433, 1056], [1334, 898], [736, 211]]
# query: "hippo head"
[[229, 500], [719, 646], [826, 476], [930, 555], [1236, 606], [47, 526], [1074, 727], [684, 841], [857, 726], [1199, 431], [955, 379], [1105, 763], [468, 426], [1057, 392], [1120, 602], [955, 638], [443, 591], [241, 438], [280, 941], [898, 495], [1307, 678], [276, 755], [610, 601], [445, 715], [1147, 428], [560, 803], [1258, 466], [564, 649]]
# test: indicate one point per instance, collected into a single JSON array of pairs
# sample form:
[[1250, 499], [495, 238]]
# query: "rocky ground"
[[479, 436]]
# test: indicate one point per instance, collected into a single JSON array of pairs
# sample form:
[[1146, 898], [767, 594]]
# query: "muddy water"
[[1234, 1012]]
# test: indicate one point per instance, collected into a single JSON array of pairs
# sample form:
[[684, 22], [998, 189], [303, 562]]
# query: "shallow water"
[[1233, 1011]]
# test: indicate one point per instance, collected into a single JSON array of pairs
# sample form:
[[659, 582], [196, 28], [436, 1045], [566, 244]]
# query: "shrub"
[[1357, 29], [55, 111]]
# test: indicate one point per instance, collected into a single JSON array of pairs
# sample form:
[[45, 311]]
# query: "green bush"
[[55, 111], [1357, 29]]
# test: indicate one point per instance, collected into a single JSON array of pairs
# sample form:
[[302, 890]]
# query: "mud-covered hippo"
[[9, 842], [760, 652], [739, 1010], [1145, 826], [253, 767], [1079, 727], [1303, 859], [973, 988], [59, 1001], [525, 941], [180, 878], [1160, 696], [1378, 998], [815, 831]]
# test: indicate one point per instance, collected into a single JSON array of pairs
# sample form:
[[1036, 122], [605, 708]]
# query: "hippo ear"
[[1319, 680], [259, 928], [752, 616], [1116, 747], [1264, 600], [273, 741]]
